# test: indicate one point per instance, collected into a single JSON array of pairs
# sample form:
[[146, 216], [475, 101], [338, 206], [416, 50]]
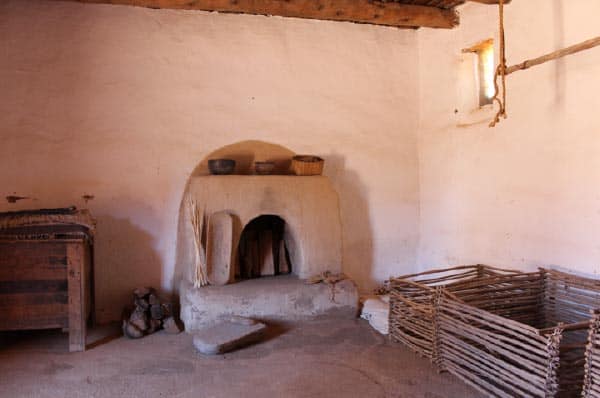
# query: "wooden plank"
[[51, 316], [89, 293], [32, 286], [361, 11], [23, 300], [31, 253], [41, 271], [45, 316], [76, 279], [32, 246]]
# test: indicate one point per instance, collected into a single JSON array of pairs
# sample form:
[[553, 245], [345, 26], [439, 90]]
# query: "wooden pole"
[[586, 45]]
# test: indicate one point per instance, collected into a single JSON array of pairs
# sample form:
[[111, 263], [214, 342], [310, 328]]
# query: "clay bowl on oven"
[[221, 166], [307, 165], [264, 168]]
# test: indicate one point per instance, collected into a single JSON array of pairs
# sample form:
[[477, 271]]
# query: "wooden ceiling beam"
[[360, 11], [489, 1]]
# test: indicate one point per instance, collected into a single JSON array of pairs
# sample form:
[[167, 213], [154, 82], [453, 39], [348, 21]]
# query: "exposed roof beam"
[[489, 1], [361, 11]]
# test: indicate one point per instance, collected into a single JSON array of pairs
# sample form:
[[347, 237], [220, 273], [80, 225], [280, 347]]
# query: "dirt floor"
[[320, 358]]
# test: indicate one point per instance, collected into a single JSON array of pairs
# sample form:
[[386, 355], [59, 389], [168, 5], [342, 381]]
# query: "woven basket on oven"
[[307, 165]]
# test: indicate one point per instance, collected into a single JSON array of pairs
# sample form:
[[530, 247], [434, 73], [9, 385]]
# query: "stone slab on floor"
[[283, 297], [227, 336]]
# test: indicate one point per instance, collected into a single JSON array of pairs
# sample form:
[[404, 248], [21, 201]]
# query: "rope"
[[436, 355], [553, 348], [500, 70], [589, 380]]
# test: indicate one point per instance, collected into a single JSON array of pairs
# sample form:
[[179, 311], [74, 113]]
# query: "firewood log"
[[139, 319], [155, 324], [153, 299], [172, 325], [131, 331], [167, 309], [156, 311], [141, 303], [141, 292]]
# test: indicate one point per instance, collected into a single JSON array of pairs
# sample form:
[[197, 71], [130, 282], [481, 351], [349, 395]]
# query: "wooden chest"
[[46, 280]]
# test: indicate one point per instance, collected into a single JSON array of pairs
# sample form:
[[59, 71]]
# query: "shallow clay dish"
[[264, 168], [221, 166]]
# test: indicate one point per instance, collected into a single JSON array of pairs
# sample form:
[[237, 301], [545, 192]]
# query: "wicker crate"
[[412, 302], [507, 333]]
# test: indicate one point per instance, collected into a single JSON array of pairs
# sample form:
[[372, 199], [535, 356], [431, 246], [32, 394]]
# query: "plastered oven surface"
[[122, 103], [308, 205]]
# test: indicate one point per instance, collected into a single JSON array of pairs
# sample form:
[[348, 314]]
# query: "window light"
[[485, 70]]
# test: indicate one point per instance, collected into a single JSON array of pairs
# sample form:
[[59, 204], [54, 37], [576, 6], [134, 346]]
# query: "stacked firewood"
[[149, 314]]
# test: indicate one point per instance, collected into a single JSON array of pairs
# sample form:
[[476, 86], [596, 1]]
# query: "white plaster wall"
[[526, 193], [122, 103]]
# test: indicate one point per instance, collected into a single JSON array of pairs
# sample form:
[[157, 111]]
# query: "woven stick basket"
[[307, 165], [506, 333]]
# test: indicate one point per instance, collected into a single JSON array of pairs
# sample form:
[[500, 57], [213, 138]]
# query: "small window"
[[485, 70]]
